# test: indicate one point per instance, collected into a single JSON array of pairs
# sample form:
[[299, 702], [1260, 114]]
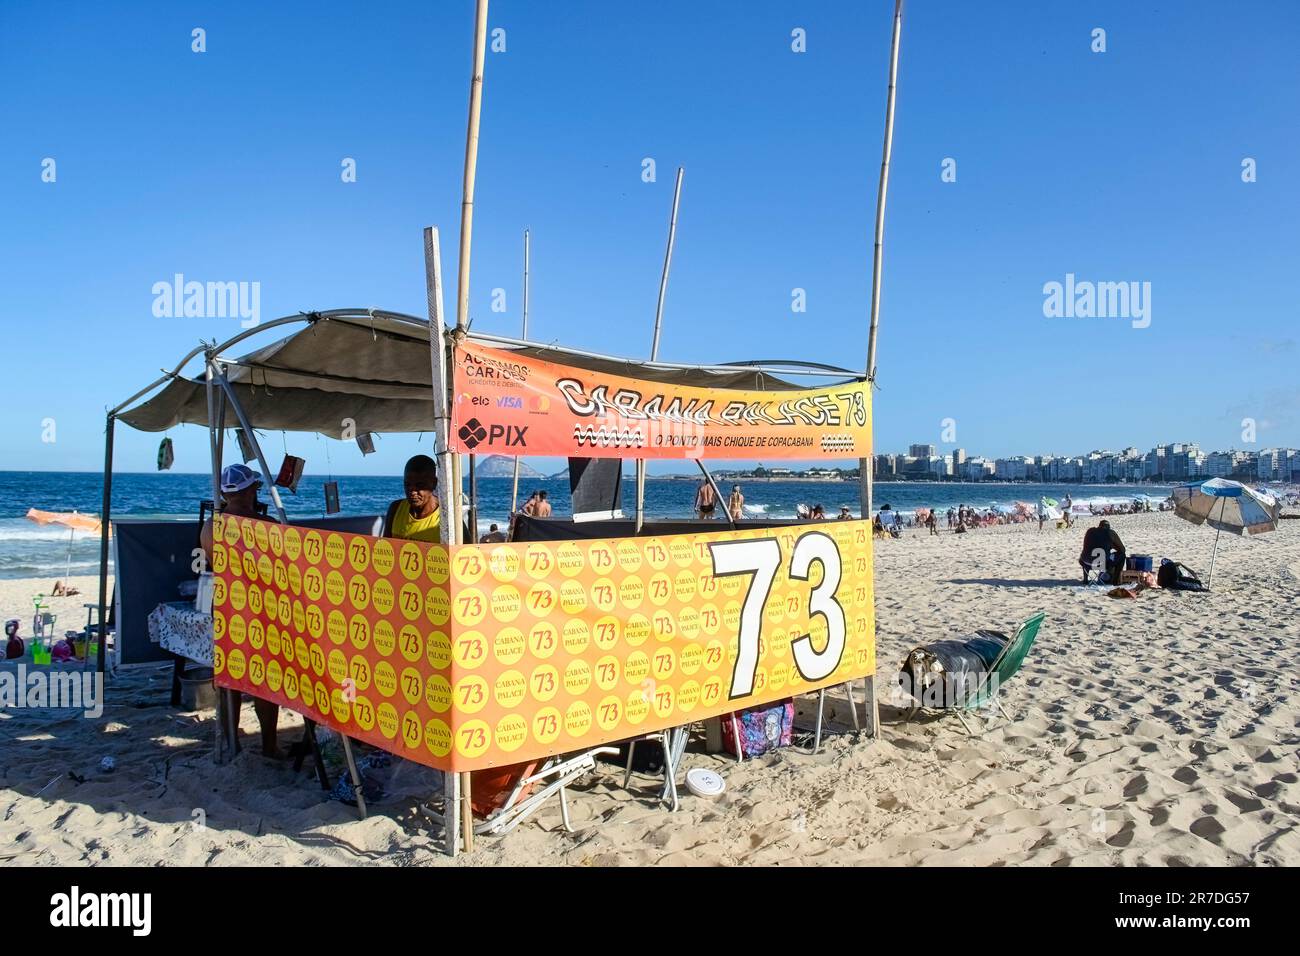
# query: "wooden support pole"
[[866, 464], [654, 342], [471, 165], [105, 516]]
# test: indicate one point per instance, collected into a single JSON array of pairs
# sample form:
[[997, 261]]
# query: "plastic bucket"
[[197, 692]]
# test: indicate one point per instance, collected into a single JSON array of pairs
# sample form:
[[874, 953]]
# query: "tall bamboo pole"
[[865, 465], [654, 342], [514, 490], [462, 303], [471, 165]]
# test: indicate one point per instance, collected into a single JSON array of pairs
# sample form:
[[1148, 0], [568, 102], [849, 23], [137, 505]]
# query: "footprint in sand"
[[1245, 804], [1208, 828]]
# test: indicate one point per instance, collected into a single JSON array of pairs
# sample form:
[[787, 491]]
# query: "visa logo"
[[510, 401]]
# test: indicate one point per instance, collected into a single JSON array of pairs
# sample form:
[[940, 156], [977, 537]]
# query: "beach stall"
[[569, 636]]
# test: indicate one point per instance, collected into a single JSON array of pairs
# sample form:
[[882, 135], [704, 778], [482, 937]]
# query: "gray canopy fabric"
[[374, 369]]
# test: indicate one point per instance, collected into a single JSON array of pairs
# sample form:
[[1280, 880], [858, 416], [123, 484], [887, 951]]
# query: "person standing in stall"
[[239, 485], [418, 516]]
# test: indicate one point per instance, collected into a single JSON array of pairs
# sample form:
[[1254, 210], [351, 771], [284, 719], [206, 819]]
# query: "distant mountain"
[[500, 466]]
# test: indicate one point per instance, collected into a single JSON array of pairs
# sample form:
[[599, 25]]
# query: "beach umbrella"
[[1226, 506], [74, 521]]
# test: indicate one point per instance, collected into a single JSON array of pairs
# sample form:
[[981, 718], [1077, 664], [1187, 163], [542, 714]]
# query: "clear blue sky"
[[1115, 166]]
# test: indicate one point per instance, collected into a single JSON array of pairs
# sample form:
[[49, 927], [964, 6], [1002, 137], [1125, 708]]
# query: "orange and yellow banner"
[[483, 655], [515, 404]]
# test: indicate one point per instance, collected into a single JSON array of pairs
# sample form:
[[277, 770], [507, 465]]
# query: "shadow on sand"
[[1017, 582]]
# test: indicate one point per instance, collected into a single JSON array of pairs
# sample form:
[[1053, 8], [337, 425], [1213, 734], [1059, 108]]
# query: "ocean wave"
[[46, 534]]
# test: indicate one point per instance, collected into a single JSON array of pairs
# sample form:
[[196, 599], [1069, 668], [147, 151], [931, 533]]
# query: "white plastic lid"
[[704, 783]]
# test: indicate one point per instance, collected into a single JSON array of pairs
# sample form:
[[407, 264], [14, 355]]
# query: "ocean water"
[[30, 550]]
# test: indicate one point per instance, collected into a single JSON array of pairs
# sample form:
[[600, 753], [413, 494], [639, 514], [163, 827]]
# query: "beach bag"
[[1178, 577], [763, 728], [951, 671]]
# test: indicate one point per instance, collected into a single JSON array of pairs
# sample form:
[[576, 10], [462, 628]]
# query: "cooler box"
[[1140, 562]]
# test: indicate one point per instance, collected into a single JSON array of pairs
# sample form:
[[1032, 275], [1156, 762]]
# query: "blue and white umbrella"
[[1226, 506]]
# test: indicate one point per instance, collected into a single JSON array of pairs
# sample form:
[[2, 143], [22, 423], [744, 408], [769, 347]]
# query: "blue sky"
[[1117, 166]]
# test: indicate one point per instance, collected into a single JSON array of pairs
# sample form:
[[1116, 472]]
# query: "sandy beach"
[[1157, 731]]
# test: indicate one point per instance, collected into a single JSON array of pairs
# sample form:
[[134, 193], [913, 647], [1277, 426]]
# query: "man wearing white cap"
[[239, 485]]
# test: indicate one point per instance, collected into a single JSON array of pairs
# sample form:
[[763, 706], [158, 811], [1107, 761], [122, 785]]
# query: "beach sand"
[[1158, 731]]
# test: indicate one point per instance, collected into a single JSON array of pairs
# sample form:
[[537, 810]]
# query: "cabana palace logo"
[[62, 690], [208, 300]]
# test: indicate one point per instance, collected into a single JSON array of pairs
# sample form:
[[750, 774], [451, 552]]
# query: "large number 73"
[[761, 559]]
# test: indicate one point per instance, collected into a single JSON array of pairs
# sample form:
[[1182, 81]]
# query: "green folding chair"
[[985, 694]]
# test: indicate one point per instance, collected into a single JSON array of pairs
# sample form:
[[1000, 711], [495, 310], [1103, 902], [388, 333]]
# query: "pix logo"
[[473, 433]]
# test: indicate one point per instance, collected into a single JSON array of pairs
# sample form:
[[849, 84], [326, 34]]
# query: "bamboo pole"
[[514, 490], [654, 342], [865, 465], [462, 298], [668, 261], [471, 165]]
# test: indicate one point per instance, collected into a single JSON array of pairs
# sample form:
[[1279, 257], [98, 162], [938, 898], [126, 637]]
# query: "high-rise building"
[[921, 451]]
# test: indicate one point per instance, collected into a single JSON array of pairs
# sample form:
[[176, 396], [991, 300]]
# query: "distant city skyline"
[[1171, 461]]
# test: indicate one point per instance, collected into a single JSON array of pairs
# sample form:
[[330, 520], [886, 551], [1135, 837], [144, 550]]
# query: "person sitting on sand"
[[239, 485], [818, 514], [845, 514], [736, 504], [1102, 550], [62, 590], [705, 499], [418, 516], [494, 536]]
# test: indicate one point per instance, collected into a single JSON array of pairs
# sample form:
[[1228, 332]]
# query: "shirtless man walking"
[[705, 499]]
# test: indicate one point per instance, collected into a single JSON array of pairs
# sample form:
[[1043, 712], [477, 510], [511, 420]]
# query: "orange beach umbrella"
[[69, 519], [74, 521]]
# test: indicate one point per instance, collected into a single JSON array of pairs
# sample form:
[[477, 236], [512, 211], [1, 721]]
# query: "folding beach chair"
[[555, 774], [984, 693]]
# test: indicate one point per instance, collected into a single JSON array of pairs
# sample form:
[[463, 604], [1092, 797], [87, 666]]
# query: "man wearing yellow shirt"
[[418, 516]]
